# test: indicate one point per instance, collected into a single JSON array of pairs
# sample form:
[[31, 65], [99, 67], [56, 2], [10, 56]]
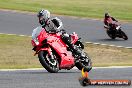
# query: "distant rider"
[[108, 20]]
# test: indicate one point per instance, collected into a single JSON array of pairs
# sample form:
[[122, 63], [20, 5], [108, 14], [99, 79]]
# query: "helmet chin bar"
[[42, 22]]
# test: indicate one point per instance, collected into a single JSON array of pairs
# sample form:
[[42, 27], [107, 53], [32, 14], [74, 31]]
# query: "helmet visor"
[[39, 15]]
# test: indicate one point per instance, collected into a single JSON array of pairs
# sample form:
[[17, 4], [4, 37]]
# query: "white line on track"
[[85, 42], [109, 45]]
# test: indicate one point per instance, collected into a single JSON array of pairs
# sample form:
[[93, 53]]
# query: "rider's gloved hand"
[[105, 26]]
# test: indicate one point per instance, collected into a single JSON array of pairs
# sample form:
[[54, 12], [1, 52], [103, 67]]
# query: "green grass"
[[121, 9], [15, 52], [109, 56]]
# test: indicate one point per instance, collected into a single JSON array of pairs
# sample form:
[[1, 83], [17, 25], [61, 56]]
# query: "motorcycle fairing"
[[66, 56], [54, 41]]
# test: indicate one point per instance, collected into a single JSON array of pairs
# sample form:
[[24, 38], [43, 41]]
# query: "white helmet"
[[45, 14]]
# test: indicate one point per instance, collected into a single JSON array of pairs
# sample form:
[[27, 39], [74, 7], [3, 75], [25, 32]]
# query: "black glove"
[[63, 31]]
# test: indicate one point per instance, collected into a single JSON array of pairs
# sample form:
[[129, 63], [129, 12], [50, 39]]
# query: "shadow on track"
[[44, 72], [109, 40]]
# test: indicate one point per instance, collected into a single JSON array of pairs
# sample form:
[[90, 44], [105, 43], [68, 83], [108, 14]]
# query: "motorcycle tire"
[[110, 35], [84, 64], [124, 36], [84, 81], [50, 66]]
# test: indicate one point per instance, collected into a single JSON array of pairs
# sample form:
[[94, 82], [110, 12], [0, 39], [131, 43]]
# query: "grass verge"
[[15, 52], [109, 56], [121, 9]]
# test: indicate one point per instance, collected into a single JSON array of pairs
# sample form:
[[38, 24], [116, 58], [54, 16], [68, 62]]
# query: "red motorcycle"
[[54, 54]]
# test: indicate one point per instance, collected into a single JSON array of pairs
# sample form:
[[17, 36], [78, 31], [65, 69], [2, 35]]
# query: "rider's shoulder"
[[56, 18]]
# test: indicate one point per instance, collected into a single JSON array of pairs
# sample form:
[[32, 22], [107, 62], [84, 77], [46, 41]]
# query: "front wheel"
[[84, 62], [51, 65], [84, 81], [124, 36]]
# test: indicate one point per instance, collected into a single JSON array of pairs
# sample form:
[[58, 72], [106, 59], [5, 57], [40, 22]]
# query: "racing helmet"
[[43, 16], [107, 15]]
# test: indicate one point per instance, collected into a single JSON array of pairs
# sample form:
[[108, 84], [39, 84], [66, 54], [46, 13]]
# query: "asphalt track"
[[63, 79], [89, 30]]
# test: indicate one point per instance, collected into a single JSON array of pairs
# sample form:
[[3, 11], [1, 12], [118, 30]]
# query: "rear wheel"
[[84, 63], [51, 65], [84, 81]]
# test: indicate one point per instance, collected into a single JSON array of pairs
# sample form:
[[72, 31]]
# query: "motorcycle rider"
[[53, 25], [108, 20]]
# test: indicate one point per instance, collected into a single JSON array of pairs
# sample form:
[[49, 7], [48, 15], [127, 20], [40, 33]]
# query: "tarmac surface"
[[89, 30], [63, 79]]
